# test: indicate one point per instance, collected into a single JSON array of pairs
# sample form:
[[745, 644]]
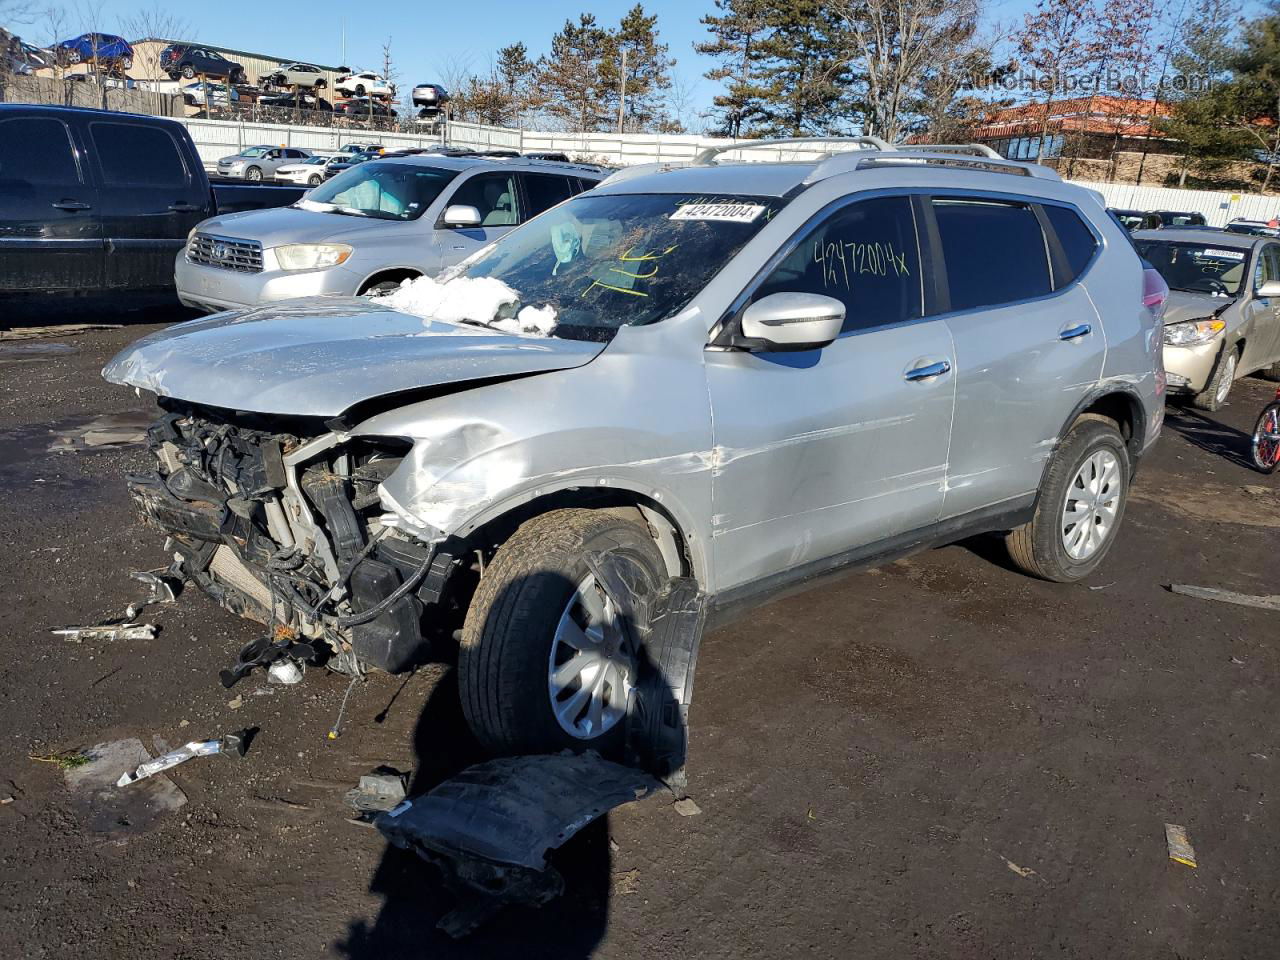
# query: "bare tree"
[[156, 22], [894, 46], [1057, 42], [391, 74]]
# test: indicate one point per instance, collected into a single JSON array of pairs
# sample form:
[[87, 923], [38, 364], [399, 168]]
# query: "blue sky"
[[427, 37]]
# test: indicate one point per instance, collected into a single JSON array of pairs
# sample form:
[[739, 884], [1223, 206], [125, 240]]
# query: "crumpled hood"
[[1184, 306], [319, 356], [278, 225]]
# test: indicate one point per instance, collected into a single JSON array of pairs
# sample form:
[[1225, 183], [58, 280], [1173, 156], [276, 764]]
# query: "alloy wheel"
[[1093, 502]]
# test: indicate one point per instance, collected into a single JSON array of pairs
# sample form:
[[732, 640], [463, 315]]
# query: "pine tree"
[[648, 69], [571, 74], [805, 75], [738, 32]]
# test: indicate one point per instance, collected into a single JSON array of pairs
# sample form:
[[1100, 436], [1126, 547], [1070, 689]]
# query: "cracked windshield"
[[608, 261]]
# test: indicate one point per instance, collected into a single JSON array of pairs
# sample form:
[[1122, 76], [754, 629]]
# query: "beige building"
[[146, 60]]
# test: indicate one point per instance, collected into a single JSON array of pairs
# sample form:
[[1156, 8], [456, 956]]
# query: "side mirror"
[[793, 321], [461, 215], [1269, 289]]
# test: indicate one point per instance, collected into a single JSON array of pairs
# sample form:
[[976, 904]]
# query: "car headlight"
[[311, 256], [1192, 333]]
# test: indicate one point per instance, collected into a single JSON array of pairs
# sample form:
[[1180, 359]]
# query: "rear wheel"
[[188, 71], [1266, 439], [1214, 395], [1079, 507], [359, 89], [549, 654]]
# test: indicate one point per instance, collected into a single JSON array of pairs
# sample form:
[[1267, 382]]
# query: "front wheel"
[[314, 180], [549, 654], [1266, 439], [253, 174], [1079, 507], [1214, 395], [359, 89]]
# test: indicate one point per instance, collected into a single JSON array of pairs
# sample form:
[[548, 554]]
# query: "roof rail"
[[976, 149], [708, 155], [846, 163]]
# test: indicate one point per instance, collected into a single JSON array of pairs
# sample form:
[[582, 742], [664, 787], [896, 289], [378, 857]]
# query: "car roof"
[[1219, 238], [472, 161]]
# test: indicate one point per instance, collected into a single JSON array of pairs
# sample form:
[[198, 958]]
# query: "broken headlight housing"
[[1192, 333], [311, 256]]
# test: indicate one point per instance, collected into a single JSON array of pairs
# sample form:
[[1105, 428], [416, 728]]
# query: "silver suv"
[[746, 375], [255, 163], [369, 228]]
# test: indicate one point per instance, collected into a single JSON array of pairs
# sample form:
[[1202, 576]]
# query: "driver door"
[[494, 195], [1262, 343], [822, 452]]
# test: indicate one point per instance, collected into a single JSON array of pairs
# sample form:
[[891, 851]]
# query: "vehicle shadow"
[[415, 897], [1209, 435], [120, 309]]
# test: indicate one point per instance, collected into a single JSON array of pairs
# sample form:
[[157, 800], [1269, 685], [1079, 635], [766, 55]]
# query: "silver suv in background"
[[729, 376], [370, 228], [1223, 317], [257, 163]]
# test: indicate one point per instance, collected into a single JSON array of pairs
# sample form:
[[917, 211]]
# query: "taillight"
[[1155, 292]]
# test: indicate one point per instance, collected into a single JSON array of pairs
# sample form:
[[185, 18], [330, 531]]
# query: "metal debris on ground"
[[286, 672], [1180, 848], [380, 790], [687, 808], [490, 828], [118, 631], [1025, 872], [161, 588], [232, 744], [107, 430], [1267, 602]]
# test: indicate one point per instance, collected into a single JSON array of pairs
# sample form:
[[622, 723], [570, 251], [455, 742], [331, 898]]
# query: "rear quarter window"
[[1077, 240], [994, 251]]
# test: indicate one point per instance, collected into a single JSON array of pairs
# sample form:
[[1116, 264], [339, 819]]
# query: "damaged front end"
[[279, 520]]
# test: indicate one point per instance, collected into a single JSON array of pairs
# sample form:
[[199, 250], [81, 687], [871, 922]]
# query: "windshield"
[[387, 191], [254, 152], [1196, 267], [603, 262]]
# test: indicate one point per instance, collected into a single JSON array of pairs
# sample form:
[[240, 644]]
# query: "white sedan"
[[308, 173], [364, 84]]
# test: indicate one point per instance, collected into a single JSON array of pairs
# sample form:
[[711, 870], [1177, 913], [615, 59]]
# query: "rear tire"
[[189, 71], [1265, 446], [533, 599], [1043, 547], [359, 89], [1214, 395]]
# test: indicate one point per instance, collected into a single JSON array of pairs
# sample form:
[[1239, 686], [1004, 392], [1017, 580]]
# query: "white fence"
[[1217, 207], [218, 138]]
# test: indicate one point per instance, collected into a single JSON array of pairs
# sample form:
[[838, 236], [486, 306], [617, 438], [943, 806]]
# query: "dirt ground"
[[939, 758]]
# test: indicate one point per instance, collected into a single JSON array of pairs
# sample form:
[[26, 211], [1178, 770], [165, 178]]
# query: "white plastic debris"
[[119, 631], [284, 671], [478, 299], [196, 748]]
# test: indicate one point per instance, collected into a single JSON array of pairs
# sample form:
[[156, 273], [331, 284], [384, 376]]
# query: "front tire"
[[359, 89], [314, 180], [548, 658], [1080, 505], [1214, 395], [253, 175]]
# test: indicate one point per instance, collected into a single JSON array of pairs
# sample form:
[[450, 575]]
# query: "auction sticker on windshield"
[[1224, 254], [730, 212]]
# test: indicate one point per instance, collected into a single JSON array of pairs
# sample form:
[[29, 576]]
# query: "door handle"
[[1076, 332], [928, 371], [183, 207], [70, 205]]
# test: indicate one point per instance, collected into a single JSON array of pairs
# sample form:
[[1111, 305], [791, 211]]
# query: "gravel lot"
[[938, 758]]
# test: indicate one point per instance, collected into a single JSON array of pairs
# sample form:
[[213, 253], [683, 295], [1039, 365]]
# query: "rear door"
[[150, 199], [50, 224], [496, 197], [542, 191], [1029, 344]]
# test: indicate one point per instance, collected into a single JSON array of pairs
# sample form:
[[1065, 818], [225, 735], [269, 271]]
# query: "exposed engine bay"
[[279, 520]]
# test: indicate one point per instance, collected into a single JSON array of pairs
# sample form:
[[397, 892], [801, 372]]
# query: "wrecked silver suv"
[[709, 381]]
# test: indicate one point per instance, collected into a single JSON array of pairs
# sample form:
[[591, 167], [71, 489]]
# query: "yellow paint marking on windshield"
[[628, 258], [609, 286], [637, 276]]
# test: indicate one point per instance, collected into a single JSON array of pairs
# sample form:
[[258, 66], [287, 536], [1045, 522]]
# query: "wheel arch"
[[1120, 404], [670, 528], [383, 274]]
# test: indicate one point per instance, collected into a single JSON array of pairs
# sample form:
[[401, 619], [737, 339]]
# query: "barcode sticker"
[[731, 212]]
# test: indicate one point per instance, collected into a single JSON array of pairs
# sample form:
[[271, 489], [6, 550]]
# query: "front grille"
[[244, 256]]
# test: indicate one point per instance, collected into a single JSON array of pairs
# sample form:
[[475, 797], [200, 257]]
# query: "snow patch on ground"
[[478, 299]]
